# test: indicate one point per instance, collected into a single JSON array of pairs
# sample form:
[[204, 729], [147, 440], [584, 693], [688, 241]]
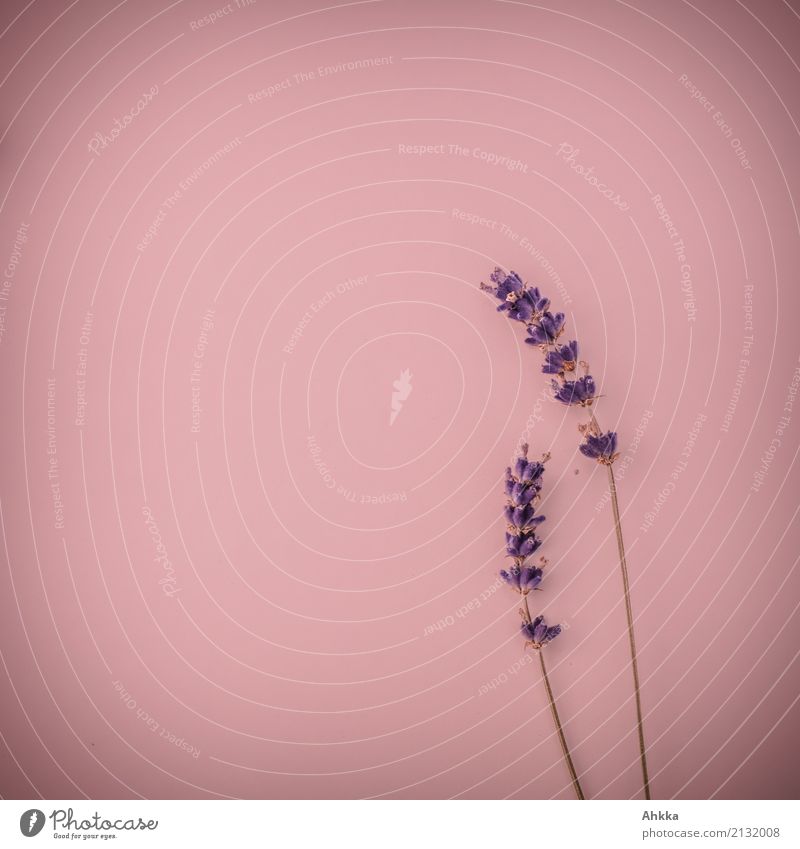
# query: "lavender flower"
[[518, 301], [523, 580], [537, 632], [523, 488], [544, 329], [562, 359], [580, 391], [523, 484], [547, 329], [601, 447], [521, 545]]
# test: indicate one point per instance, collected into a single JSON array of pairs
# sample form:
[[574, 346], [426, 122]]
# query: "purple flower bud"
[[547, 329], [519, 301], [538, 634], [581, 391], [532, 472], [522, 517], [523, 493], [561, 359], [522, 545], [523, 580], [601, 447]]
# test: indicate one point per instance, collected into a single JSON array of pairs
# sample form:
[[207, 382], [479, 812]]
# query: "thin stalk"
[[623, 565], [593, 427], [562, 739], [576, 785]]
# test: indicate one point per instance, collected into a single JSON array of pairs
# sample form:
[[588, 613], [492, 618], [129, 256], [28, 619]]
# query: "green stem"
[[629, 613]]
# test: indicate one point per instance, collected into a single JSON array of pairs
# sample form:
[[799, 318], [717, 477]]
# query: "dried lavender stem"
[[527, 305], [570, 766], [623, 565], [576, 785]]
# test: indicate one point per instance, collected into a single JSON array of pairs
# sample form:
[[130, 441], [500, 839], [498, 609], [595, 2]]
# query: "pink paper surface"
[[256, 410]]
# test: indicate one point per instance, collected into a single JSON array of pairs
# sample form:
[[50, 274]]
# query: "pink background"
[[329, 623]]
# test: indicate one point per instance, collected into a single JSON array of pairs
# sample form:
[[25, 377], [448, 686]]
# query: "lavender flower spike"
[[523, 484], [523, 490], [520, 302], [544, 330]]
